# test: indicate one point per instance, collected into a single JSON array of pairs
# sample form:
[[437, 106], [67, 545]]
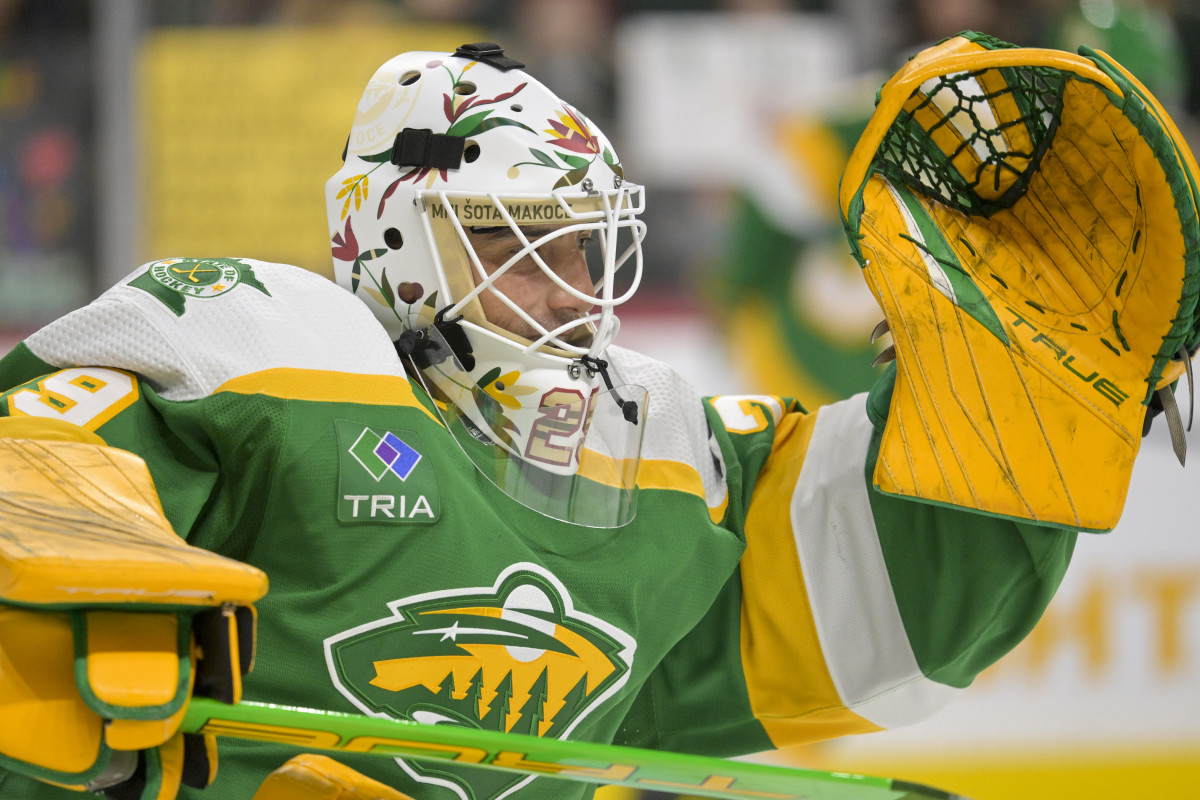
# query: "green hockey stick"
[[654, 770]]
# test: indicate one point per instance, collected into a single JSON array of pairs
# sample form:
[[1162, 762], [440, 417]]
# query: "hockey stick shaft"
[[655, 770]]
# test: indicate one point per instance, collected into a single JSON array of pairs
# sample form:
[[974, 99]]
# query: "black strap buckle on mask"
[[425, 351], [421, 147], [629, 409], [489, 53]]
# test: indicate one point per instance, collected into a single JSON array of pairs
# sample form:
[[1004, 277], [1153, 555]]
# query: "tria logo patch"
[[515, 656], [380, 455], [381, 477], [174, 280]]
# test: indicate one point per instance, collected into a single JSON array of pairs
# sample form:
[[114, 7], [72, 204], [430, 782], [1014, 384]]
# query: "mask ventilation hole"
[[410, 77], [465, 88], [517, 107], [393, 239], [470, 152]]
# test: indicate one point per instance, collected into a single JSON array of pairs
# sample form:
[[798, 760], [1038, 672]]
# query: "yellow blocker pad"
[[83, 526], [82, 539], [316, 777], [1027, 221]]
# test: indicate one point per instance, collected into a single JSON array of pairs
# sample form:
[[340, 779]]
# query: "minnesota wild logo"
[[174, 280], [515, 656]]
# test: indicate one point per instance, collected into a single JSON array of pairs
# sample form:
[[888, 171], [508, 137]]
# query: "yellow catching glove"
[[1027, 220], [315, 777], [108, 620]]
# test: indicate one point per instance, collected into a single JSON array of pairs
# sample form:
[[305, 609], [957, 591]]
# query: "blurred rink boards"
[[46, 178], [240, 129]]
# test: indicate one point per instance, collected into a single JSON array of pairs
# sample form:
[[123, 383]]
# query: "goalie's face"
[[523, 284]]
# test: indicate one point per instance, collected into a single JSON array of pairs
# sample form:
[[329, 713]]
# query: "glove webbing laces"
[[1166, 398]]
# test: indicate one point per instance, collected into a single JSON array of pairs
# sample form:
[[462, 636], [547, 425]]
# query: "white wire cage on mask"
[[611, 216], [537, 409]]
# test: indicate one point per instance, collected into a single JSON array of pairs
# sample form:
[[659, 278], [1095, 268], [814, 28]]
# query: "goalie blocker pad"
[[1027, 220], [312, 776], [83, 527], [108, 621]]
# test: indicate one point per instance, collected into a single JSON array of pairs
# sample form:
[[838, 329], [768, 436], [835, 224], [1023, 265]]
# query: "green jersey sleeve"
[[853, 611]]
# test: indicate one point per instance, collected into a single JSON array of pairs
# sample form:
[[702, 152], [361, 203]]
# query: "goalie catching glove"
[[108, 621], [1027, 220]]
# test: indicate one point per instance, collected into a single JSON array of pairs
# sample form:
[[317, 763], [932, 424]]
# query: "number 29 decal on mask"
[[558, 432]]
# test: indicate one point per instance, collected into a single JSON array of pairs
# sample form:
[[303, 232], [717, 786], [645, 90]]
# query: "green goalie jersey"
[[764, 594]]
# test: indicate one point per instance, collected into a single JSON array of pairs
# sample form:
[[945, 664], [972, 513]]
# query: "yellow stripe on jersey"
[[791, 690], [46, 429], [653, 473], [605, 469], [290, 383], [667, 474]]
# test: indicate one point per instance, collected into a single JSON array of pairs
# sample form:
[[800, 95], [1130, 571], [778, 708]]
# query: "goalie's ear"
[[1027, 219]]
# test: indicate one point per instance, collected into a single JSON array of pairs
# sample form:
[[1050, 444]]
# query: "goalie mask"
[[470, 207]]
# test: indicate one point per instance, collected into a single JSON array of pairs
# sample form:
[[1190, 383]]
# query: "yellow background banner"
[[241, 127]]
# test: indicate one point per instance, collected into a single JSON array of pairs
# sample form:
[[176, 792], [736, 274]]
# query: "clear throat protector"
[[573, 458]]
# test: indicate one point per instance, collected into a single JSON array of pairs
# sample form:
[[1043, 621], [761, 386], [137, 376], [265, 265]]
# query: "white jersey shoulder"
[[190, 325], [676, 427]]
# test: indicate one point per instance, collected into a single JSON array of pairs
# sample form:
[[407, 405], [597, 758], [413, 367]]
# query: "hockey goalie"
[[476, 508]]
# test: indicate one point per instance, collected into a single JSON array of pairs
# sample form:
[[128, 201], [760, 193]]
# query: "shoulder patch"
[[174, 280]]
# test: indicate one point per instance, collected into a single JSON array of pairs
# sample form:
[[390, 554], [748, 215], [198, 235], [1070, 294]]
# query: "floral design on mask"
[[571, 131], [345, 248], [504, 389], [354, 189], [502, 427], [455, 104]]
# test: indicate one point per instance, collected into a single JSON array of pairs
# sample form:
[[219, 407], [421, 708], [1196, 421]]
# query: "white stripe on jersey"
[[857, 619]]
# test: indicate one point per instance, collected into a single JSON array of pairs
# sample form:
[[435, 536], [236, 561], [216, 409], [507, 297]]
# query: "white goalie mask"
[[464, 180]]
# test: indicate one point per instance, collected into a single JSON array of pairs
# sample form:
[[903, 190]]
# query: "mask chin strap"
[[629, 409], [425, 351]]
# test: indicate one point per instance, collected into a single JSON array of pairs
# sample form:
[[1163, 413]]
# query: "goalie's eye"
[[497, 245]]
